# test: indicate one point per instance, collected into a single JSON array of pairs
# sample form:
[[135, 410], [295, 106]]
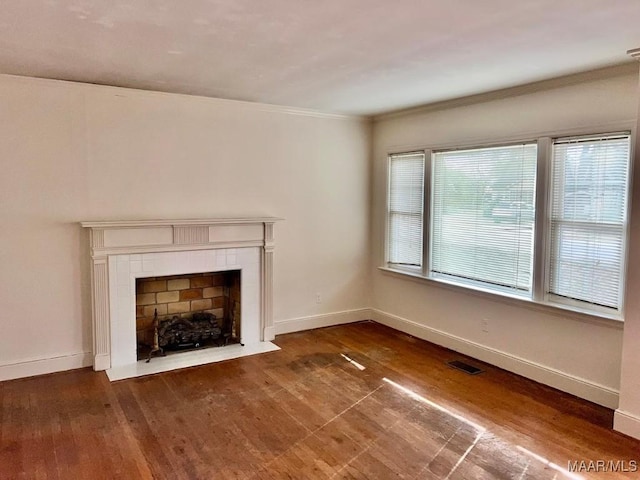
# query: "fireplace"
[[125, 253]]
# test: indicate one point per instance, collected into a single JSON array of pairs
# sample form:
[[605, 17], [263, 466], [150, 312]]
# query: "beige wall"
[[576, 353], [72, 152], [627, 418]]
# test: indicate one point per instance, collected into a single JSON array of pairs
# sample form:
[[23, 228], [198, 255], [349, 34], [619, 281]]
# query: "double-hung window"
[[468, 217], [405, 207], [587, 222]]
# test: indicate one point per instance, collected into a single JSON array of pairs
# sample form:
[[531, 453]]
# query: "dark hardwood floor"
[[359, 401]]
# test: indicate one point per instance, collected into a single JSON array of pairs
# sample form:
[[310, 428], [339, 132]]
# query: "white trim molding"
[[124, 250], [175, 96], [626, 423], [600, 394], [634, 52], [323, 320], [42, 366], [500, 94]]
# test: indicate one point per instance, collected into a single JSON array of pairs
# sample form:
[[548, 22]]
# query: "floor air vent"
[[465, 367]]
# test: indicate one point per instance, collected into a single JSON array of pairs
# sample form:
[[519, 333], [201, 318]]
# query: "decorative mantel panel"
[[123, 250]]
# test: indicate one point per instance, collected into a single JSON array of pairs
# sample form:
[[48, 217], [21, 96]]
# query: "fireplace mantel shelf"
[[168, 223]]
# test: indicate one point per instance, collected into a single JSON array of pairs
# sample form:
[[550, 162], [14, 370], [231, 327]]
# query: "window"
[[406, 199], [482, 216], [481, 229], [588, 211]]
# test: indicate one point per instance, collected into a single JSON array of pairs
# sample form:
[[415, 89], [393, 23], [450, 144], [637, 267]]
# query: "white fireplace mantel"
[[209, 240]]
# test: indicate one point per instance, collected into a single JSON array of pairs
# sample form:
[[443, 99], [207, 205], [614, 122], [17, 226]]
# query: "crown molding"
[[123, 91], [626, 68]]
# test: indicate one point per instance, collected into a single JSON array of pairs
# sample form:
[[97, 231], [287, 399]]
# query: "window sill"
[[609, 320]]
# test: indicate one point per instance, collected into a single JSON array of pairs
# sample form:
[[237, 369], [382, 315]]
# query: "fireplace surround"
[[123, 251]]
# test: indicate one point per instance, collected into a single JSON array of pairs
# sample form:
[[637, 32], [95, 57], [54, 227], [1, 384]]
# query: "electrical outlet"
[[318, 298], [484, 325]]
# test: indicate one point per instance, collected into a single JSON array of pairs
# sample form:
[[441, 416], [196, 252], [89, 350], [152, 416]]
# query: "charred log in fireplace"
[[179, 332], [182, 333]]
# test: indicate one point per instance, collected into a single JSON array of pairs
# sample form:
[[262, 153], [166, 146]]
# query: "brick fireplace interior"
[[181, 296]]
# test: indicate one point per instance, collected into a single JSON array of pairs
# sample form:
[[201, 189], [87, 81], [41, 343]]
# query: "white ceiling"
[[345, 56]]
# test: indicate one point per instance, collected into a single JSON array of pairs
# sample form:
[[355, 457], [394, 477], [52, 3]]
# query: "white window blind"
[[406, 193], [587, 220], [483, 217]]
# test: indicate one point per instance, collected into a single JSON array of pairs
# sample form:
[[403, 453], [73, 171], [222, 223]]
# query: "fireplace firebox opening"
[[185, 312]]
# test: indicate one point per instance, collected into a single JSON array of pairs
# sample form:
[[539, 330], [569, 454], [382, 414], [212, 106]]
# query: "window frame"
[[540, 298]]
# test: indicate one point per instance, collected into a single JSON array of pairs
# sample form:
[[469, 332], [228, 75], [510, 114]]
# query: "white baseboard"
[[324, 320], [626, 423], [102, 362], [269, 333], [46, 365], [565, 382]]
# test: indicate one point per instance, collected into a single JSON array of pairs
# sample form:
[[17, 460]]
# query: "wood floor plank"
[[357, 401]]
